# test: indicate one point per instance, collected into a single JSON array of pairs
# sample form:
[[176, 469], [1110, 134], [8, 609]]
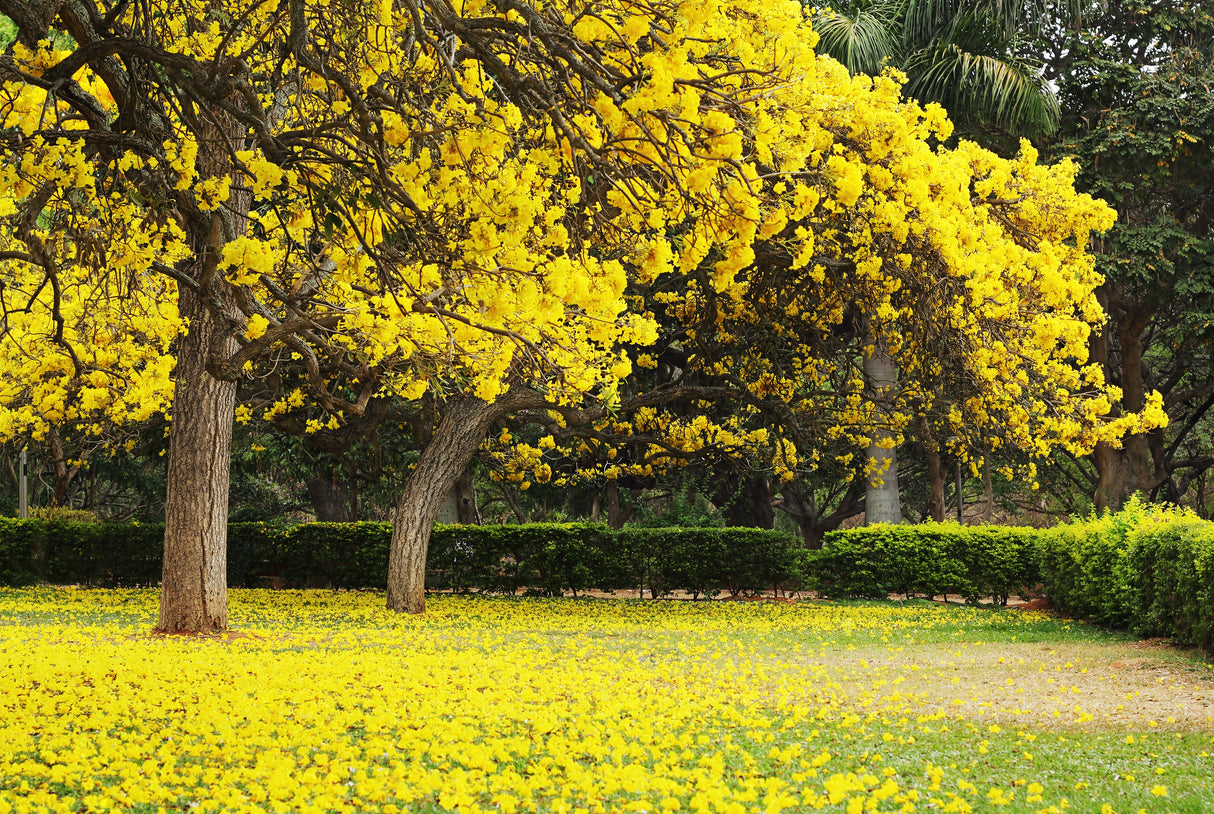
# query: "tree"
[[398, 199], [1134, 80], [965, 55]]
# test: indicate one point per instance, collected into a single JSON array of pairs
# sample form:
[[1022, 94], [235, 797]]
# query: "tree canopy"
[[500, 207]]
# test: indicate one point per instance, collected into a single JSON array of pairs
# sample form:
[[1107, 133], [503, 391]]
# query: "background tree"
[[1134, 81]]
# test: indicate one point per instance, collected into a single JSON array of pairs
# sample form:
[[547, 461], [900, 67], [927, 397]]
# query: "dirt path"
[[1084, 685]]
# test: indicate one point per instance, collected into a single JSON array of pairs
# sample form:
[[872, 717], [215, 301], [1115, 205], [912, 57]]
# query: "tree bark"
[[194, 587], [988, 491], [330, 498], [1122, 472], [615, 512], [194, 583], [64, 474], [882, 503], [465, 499], [935, 472], [459, 434]]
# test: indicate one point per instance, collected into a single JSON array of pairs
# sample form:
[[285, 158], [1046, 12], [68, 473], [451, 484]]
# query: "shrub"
[[930, 559]]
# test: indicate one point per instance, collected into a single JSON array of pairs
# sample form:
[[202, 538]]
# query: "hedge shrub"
[[1147, 569], [543, 558], [930, 559]]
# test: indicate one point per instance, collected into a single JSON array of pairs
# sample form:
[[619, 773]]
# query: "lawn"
[[325, 702]]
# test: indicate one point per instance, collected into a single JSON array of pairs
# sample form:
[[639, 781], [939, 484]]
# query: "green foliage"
[[547, 558], [930, 559], [63, 514], [1147, 568], [684, 511], [1174, 592], [336, 555]]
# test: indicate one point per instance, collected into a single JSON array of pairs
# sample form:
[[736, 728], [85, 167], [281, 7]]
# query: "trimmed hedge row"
[[545, 558], [930, 559], [1147, 569]]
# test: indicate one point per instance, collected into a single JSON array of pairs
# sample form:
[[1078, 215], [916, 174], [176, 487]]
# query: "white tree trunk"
[[881, 500]]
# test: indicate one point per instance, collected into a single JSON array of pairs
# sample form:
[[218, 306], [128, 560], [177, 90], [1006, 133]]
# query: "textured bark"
[[64, 474], [935, 473], [1122, 472], [194, 587], [616, 517], [459, 434], [882, 503], [330, 499], [465, 499], [194, 583]]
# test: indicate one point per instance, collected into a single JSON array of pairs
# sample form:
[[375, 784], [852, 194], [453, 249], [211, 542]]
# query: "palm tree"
[[964, 54]]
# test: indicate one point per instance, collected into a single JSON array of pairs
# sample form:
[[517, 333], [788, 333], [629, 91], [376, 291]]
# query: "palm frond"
[[999, 90], [864, 38]]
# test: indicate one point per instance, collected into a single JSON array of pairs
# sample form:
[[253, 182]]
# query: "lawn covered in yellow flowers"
[[326, 702]]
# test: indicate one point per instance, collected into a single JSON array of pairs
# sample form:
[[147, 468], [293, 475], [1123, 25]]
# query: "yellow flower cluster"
[[325, 702]]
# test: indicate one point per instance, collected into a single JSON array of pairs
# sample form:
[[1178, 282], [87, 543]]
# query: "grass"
[[326, 702]]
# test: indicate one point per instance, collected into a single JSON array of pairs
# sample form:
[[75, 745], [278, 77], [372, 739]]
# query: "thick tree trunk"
[[194, 583], [330, 499], [64, 474], [466, 510], [194, 589], [615, 511], [882, 503], [459, 434], [1122, 472]]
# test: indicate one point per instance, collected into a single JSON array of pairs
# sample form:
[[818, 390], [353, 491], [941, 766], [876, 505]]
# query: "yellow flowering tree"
[[402, 200]]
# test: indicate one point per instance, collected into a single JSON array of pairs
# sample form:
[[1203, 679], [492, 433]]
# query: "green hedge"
[[543, 558], [930, 559], [1147, 569]]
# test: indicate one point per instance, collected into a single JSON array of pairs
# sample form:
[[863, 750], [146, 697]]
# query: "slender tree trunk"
[[459, 434], [882, 503], [988, 491], [935, 472], [194, 588]]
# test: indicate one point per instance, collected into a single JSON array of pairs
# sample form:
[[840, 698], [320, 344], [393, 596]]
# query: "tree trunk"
[[64, 474], [194, 583], [935, 472], [615, 512], [1122, 472], [330, 499], [751, 508], [881, 500], [466, 510], [459, 434], [988, 491], [194, 588]]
